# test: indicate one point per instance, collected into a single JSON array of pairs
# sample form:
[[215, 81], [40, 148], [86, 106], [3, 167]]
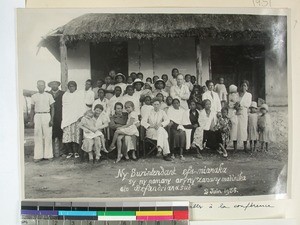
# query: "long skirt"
[[178, 138], [71, 133], [212, 138]]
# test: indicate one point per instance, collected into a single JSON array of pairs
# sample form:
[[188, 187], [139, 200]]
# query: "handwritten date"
[[217, 191]]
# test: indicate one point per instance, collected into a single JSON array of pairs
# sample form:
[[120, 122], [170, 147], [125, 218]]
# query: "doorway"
[[107, 56], [238, 63]]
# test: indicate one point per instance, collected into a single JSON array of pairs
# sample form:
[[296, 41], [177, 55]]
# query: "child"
[[120, 81], [140, 76], [169, 101], [130, 129], [133, 75], [163, 105], [221, 89], [188, 82], [155, 78], [222, 129], [92, 136], [131, 97], [147, 90], [145, 109], [252, 126], [149, 79], [265, 127], [129, 80], [233, 99]]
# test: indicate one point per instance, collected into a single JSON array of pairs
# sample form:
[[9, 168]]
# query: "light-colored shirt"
[[207, 121], [133, 99], [145, 109], [182, 93], [155, 118], [111, 104], [214, 99], [95, 90], [109, 87], [42, 102], [103, 102], [190, 85], [222, 92], [122, 86], [89, 96]]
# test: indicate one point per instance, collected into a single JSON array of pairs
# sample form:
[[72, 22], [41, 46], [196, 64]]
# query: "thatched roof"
[[96, 27]]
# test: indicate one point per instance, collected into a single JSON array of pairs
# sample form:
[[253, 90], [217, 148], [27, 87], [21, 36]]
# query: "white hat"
[[137, 80], [264, 106], [253, 105], [232, 88]]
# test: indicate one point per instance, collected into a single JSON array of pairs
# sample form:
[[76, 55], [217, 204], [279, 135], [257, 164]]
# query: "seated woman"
[[102, 120], [205, 134], [177, 131], [130, 129], [92, 136], [154, 123], [191, 119]]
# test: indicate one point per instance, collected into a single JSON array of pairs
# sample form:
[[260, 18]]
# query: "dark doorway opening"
[[238, 63], [106, 56]]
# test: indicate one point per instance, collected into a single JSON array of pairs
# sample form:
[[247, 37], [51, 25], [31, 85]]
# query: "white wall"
[[79, 66]]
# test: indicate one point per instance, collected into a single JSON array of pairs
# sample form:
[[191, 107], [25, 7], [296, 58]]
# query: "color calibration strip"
[[107, 211]]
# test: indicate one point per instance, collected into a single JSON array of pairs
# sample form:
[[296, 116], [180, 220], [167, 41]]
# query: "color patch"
[[154, 213]]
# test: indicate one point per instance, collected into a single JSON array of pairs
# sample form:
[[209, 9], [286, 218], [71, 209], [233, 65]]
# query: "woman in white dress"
[[242, 113], [154, 122]]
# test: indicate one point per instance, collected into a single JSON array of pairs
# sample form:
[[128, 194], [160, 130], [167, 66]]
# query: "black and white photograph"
[[153, 104]]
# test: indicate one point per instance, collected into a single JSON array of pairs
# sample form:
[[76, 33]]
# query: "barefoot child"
[[130, 129], [265, 127], [92, 136], [222, 128], [252, 126]]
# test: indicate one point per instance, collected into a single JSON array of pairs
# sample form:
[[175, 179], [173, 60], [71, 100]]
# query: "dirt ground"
[[239, 175]]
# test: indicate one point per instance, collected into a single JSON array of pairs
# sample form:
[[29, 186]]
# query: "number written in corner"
[[262, 3]]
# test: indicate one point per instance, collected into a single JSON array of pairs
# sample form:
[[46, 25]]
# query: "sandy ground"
[[239, 175]]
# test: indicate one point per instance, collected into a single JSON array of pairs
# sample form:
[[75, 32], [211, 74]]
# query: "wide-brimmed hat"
[[53, 82], [264, 106], [232, 88], [137, 80], [120, 74], [253, 105], [160, 80]]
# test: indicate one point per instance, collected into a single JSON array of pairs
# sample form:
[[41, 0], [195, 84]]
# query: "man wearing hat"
[[120, 81], [159, 88], [56, 128]]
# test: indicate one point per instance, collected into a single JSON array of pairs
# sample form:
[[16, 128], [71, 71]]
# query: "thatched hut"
[[235, 47]]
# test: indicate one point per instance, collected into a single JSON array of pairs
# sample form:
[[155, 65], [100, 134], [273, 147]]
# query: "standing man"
[[56, 128], [42, 114], [212, 96], [180, 91]]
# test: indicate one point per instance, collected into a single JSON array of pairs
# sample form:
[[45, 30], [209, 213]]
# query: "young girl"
[[265, 127], [155, 78], [130, 129], [145, 109], [92, 136], [149, 79], [129, 96], [222, 128], [169, 101], [163, 105], [233, 99], [252, 126]]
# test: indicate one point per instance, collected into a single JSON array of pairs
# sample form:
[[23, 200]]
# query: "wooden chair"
[[152, 144]]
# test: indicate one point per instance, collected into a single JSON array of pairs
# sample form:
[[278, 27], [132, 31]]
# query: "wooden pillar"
[[199, 67], [140, 54], [63, 64], [153, 56]]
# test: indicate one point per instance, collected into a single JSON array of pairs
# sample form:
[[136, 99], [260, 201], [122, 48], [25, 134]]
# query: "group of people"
[[177, 113]]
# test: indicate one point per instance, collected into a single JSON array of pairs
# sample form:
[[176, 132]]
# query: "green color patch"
[[116, 213]]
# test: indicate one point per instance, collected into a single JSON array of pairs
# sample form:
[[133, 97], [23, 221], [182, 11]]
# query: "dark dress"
[[56, 128]]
